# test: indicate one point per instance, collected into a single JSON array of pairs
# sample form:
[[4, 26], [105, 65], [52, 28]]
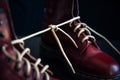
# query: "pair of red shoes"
[[74, 40]]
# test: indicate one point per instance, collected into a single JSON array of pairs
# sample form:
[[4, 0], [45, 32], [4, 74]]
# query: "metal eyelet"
[[8, 59], [1, 22], [1, 35], [18, 66]]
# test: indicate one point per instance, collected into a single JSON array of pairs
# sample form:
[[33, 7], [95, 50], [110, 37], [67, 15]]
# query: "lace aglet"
[[76, 45], [73, 71]]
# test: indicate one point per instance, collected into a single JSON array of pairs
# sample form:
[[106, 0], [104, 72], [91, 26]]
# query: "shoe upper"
[[88, 57], [16, 62]]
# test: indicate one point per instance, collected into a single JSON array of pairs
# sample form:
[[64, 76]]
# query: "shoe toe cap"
[[103, 65]]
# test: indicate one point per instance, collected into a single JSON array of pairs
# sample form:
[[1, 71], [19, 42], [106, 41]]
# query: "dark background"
[[27, 15], [101, 15]]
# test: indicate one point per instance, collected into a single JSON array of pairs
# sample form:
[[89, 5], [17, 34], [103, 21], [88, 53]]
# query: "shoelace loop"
[[20, 58], [88, 29], [83, 30]]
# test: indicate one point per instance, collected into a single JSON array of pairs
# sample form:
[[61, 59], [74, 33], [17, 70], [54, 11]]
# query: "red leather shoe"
[[16, 63], [76, 43]]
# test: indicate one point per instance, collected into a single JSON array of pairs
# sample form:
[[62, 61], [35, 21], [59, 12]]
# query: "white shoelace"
[[54, 28], [29, 65], [82, 30]]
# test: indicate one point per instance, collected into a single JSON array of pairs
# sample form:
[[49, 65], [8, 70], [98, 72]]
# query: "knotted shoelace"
[[55, 28]]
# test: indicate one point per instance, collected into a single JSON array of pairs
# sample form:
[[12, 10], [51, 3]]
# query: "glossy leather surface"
[[87, 58]]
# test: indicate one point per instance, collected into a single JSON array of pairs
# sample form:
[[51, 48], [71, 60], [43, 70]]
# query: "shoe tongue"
[[58, 11]]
